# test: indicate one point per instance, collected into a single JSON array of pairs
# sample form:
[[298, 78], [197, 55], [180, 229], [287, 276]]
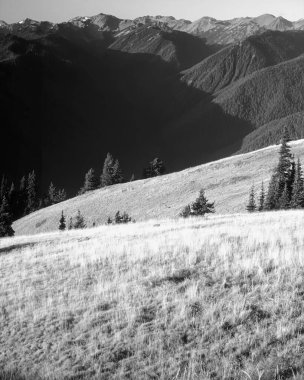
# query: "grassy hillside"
[[216, 298], [227, 182]]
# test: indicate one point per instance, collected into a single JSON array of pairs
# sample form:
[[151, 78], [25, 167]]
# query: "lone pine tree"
[[62, 222], [6, 220], [200, 207]]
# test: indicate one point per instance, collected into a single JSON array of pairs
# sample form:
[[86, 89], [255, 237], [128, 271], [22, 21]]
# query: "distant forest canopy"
[[71, 93]]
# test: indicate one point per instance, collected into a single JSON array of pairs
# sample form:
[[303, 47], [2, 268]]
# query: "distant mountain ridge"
[[215, 31]]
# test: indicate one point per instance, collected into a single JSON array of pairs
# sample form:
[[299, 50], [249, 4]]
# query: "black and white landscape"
[[179, 254], [154, 86]]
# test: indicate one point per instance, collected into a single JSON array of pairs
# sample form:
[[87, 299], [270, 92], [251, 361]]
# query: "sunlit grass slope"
[[227, 182], [215, 298]]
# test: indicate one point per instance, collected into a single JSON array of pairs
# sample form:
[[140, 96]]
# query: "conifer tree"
[[272, 198], [62, 222], [22, 196], [71, 224], [262, 198], [106, 178], [200, 207], [79, 221], [13, 201], [156, 168], [51, 198], [61, 196], [117, 173], [284, 199], [6, 220], [251, 206], [90, 182], [132, 178], [297, 188], [284, 168], [3, 187], [31, 190]]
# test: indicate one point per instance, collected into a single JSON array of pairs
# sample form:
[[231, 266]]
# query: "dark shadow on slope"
[[64, 106]]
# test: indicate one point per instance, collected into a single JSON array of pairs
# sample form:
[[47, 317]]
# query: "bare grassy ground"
[[216, 298], [227, 182]]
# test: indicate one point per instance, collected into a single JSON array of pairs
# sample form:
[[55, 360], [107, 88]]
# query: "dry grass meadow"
[[215, 298]]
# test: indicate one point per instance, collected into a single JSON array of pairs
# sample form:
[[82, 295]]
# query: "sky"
[[62, 10]]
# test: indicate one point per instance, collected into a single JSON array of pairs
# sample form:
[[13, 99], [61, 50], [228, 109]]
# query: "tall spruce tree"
[[62, 222], [262, 198], [6, 219], [251, 206], [31, 190], [284, 168], [297, 198], [282, 178]]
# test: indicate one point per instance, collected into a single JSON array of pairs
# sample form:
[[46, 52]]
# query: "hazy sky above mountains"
[[62, 10]]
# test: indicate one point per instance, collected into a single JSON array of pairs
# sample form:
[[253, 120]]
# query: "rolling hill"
[[209, 298], [227, 182]]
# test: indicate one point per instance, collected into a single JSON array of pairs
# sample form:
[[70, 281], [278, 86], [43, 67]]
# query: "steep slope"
[[269, 94], [239, 60], [181, 49], [280, 24], [227, 182]]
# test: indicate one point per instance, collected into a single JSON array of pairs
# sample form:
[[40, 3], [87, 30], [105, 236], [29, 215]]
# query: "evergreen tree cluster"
[[286, 187], [119, 218], [26, 198], [200, 207], [111, 175]]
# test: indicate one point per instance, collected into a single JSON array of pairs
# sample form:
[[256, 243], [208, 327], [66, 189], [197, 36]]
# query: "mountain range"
[[189, 92]]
